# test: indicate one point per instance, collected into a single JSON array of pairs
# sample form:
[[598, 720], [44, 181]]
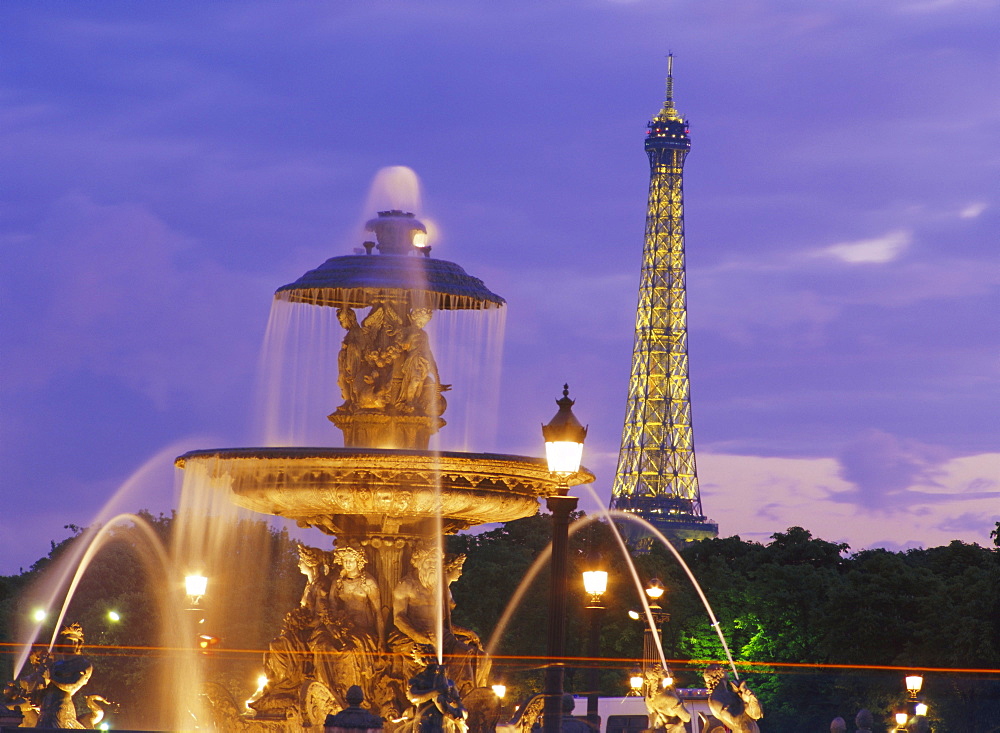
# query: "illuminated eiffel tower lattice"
[[656, 477]]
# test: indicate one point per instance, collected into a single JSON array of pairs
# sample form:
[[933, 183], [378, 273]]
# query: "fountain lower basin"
[[367, 491]]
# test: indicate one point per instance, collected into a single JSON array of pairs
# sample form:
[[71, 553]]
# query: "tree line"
[[817, 630]]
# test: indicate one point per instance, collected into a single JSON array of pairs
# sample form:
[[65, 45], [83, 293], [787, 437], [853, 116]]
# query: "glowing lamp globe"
[[655, 589], [195, 586], [595, 582], [564, 436], [635, 683]]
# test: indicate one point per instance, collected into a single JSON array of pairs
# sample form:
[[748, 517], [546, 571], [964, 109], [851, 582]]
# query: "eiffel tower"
[[656, 477]]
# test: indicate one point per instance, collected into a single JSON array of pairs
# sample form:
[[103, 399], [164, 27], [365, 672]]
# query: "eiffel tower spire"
[[657, 478]]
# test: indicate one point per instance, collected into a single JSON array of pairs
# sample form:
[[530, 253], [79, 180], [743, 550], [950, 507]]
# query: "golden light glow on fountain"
[[385, 497]]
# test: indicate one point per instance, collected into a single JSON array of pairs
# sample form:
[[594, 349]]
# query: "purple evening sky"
[[166, 166]]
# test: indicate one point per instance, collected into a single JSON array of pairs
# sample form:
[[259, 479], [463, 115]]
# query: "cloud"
[[948, 499], [973, 210], [115, 291], [882, 466], [870, 251]]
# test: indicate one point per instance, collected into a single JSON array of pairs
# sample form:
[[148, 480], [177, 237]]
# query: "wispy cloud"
[[973, 210], [878, 250]]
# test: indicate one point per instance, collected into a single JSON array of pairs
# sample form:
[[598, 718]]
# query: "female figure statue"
[[348, 644], [355, 596], [287, 662], [420, 385]]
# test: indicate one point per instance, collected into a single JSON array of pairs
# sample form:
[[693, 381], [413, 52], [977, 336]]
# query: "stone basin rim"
[[446, 458]]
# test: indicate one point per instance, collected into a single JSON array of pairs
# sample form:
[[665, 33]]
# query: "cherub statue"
[[67, 676], [735, 705], [665, 707]]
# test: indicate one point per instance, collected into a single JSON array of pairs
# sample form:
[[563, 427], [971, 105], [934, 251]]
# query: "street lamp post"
[[650, 656], [914, 683], [564, 436], [595, 582]]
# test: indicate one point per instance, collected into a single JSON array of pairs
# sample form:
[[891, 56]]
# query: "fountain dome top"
[[402, 271]]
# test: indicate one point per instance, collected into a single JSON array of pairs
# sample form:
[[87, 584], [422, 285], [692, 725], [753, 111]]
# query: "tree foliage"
[[820, 631], [797, 600], [125, 576]]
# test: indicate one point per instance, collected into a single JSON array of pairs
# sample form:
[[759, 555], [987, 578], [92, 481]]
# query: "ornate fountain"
[[376, 608]]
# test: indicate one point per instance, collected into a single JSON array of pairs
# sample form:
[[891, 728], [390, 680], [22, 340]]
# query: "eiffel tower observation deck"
[[656, 477]]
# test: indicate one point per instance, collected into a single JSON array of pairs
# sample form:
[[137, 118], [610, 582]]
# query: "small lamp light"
[[500, 690], [901, 719], [39, 615], [635, 683], [195, 586], [114, 617], [913, 684], [595, 582], [634, 615], [655, 590], [564, 436], [920, 709]]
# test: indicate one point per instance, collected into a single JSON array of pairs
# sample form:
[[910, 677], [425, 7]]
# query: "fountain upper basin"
[[355, 281], [365, 491]]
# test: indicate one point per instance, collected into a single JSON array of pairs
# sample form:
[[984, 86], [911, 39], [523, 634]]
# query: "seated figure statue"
[[355, 596], [665, 707], [415, 610], [481, 661], [355, 608], [288, 662], [734, 705]]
